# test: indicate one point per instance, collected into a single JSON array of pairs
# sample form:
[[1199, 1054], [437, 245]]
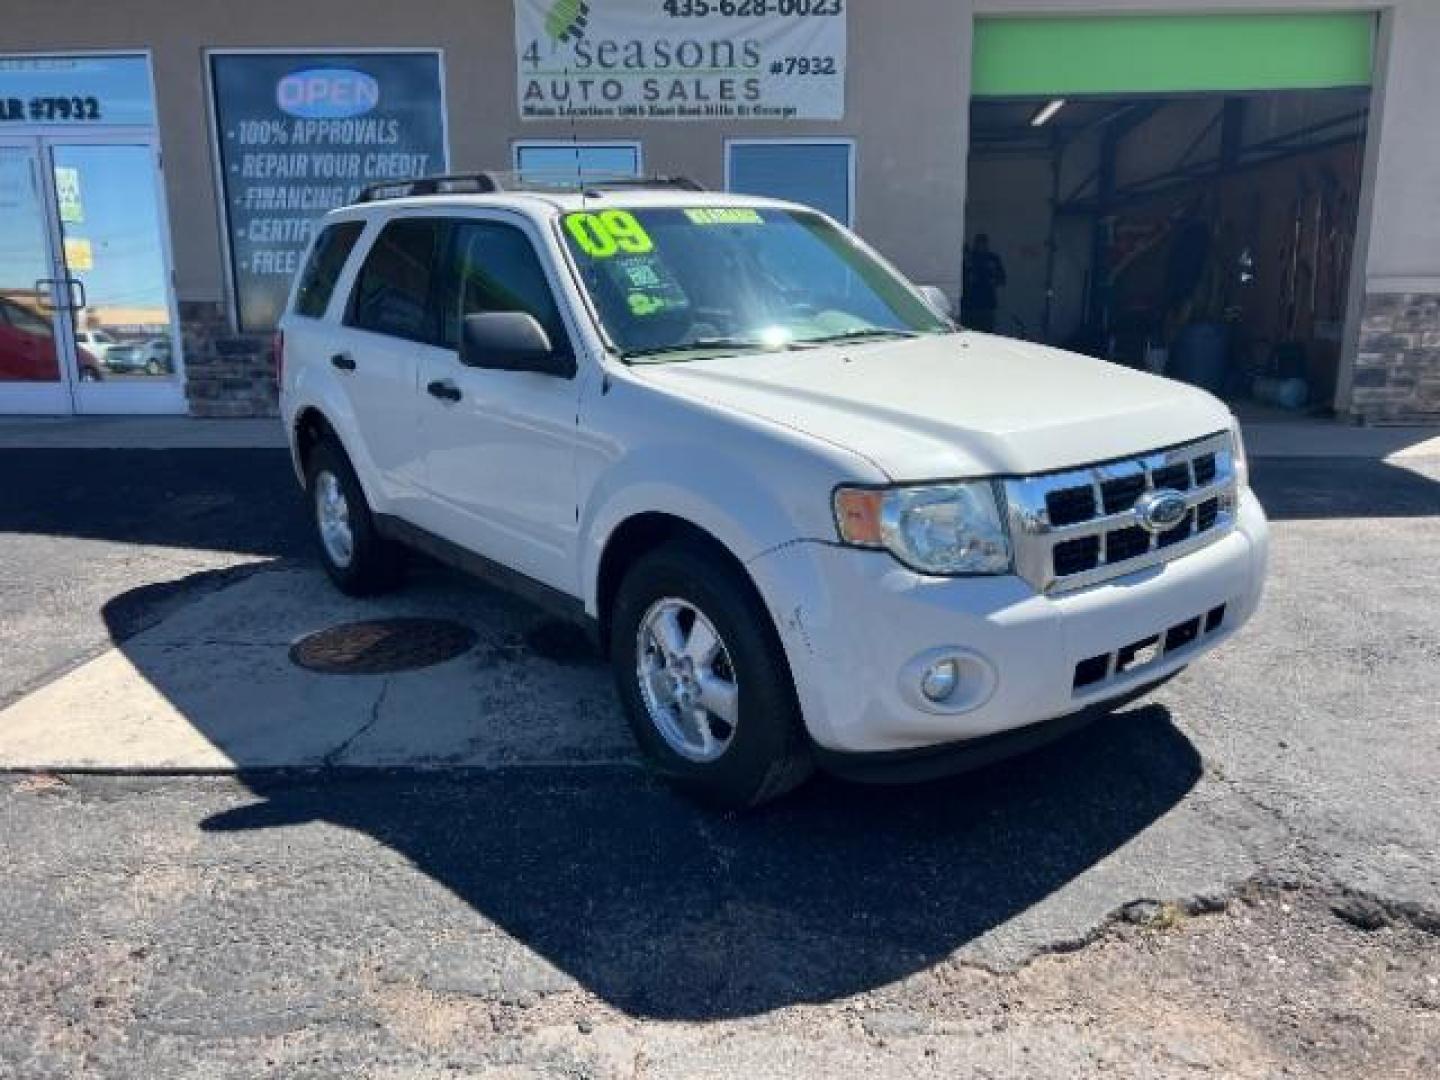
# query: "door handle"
[[444, 389], [343, 360], [60, 294]]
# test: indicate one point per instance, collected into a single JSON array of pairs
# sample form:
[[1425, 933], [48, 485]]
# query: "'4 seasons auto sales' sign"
[[680, 59]]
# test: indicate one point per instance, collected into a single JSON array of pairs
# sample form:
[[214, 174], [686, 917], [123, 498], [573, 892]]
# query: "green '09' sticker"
[[607, 233]]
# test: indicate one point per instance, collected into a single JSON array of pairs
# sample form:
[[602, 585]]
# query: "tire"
[[761, 755], [153, 368], [374, 564]]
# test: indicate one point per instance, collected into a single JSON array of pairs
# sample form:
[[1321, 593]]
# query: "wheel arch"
[[643, 532], [310, 427]]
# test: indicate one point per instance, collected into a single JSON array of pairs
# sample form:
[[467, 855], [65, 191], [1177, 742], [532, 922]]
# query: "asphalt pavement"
[[1240, 874]]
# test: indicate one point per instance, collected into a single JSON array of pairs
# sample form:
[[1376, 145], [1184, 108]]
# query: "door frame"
[[68, 395]]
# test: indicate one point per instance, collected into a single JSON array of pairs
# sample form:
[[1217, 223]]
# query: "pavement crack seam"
[[332, 759], [1304, 848]]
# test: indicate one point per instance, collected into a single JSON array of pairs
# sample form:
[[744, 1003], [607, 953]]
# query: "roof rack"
[[485, 183]]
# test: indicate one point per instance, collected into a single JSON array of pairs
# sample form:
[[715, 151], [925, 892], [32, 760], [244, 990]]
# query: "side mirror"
[[936, 298], [511, 341]]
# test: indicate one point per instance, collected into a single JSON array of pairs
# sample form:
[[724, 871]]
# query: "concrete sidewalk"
[[1268, 438]]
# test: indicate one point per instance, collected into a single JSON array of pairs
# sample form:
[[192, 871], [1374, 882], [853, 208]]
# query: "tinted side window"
[[393, 290], [323, 269], [493, 267]]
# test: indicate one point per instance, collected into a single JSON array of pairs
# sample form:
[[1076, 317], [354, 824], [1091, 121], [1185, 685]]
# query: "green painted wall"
[[1139, 54]]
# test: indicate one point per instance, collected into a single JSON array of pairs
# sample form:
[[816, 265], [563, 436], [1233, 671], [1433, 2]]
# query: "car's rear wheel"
[[704, 680], [358, 559]]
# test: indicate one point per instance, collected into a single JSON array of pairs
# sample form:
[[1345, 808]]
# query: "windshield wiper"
[[858, 335], [697, 345]]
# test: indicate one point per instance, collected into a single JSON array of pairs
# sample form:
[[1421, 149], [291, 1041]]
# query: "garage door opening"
[[1192, 227]]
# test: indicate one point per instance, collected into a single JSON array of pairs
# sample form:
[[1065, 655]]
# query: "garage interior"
[[1207, 237], [1206, 234]]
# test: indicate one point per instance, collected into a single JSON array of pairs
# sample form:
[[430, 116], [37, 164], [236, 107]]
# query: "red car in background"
[[27, 348]]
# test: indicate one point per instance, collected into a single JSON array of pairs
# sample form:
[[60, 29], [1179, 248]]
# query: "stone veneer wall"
[[1397, 367], [226, 374]]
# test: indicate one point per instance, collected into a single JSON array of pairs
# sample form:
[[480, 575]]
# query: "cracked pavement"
[[1239, 875]]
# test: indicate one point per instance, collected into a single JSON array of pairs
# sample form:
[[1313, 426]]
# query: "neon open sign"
[[327, 93]]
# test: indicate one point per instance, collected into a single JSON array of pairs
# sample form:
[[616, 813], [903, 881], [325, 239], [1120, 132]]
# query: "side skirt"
[[551, 600]]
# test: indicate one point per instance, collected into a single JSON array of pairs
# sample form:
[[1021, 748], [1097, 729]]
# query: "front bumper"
[[855, 625]]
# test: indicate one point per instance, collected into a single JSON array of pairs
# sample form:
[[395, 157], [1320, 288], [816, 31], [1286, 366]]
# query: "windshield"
[[707, 281]]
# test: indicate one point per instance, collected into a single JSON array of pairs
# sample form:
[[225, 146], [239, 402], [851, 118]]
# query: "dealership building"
[[1242, 194]]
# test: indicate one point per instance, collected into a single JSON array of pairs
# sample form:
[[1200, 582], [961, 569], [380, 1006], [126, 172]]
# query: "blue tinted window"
[[815, 174], [560, 161], [79, 89]]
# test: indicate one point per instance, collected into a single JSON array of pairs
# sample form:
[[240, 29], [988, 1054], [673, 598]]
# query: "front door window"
[[111, 251]]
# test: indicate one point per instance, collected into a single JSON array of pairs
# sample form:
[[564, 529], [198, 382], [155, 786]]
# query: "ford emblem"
[[327, 93], [1161, 510]]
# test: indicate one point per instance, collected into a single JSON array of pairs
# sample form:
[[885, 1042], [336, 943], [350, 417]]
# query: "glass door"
[[34, 376], [87, 313], [113, 258]]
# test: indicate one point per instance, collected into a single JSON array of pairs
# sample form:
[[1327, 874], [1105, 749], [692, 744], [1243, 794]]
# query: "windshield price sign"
[[680, 59]]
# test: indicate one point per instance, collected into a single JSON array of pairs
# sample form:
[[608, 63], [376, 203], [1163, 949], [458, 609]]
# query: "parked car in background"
[[97, 343], [27, 348], [152, 357], [810, 520]]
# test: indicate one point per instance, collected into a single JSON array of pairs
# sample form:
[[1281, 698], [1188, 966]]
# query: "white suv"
[[808, 520]]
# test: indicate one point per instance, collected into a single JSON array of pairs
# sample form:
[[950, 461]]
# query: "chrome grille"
[[1080, 527]]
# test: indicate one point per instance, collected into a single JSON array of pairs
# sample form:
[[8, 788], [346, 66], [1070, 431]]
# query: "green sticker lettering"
[[725, 215], [642, 304]]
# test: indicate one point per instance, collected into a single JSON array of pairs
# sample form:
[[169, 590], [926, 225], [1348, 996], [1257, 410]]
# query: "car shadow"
[[666, 910]]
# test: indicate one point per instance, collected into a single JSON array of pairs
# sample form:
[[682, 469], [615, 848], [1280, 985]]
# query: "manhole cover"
[[379, 646]]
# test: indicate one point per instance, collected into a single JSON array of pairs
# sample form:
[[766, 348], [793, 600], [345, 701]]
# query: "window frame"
[[517, 145], [847, 142]]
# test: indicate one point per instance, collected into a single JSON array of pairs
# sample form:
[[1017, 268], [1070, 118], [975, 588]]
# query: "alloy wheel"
[[332, 516], [687, 680]]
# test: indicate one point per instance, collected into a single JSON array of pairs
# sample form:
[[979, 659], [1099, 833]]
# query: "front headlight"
[[1237, 454], [937, 528]]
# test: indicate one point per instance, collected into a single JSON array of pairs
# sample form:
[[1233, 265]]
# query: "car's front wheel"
[[358, 559], [704, 680]]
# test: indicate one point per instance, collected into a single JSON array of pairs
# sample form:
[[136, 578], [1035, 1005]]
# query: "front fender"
[[699, 485]]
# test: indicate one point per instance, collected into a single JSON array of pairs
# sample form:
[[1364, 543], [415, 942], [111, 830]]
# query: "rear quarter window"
[[327, 260]]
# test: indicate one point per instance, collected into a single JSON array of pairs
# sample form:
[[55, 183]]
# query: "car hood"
[[956, 405]]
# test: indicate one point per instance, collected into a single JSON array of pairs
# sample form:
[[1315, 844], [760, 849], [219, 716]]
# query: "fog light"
[[940, 680]]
